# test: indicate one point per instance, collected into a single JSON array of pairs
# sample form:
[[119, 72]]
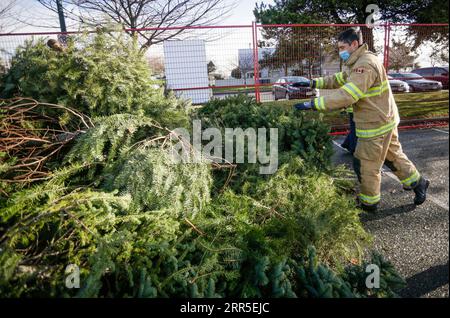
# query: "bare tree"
[[156, 64], [7, 24], [7, 11], [401, 55], [246, 64], [140, 14], [439, 55]]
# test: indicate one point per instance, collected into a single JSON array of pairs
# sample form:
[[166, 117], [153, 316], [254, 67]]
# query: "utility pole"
[[62, 21]]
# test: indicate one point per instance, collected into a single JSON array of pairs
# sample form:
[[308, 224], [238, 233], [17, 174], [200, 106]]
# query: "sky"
[[223, 52], [242, 14]]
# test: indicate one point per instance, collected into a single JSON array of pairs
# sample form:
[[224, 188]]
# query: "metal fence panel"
[[251, 58]]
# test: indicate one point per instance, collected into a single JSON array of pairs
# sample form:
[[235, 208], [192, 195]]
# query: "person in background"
[[351, 139]]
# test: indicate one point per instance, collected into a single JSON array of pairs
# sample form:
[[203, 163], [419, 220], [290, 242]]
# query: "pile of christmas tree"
[[88, 179]]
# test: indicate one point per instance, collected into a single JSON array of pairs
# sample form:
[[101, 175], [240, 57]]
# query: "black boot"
[[421, 191], [367, 207]]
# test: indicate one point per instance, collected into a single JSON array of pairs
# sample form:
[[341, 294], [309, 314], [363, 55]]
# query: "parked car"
[[293, 87], [417, 82], [398, 86], [439, 74]]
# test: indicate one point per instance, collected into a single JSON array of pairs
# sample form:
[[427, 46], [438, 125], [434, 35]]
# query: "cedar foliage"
[[236, 246], [299, 134], [139, 223], [98, 75], [134, 155]]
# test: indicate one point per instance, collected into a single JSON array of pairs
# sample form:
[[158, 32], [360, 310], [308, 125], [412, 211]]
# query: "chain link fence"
[[201, 63]]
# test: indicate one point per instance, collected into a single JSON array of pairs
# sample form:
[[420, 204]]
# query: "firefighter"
[[363, 83]]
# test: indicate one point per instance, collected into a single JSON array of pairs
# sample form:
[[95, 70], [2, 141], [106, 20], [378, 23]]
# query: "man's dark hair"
[[350, 35]]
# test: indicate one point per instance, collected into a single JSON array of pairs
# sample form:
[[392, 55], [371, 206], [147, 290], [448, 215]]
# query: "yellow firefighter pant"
[[370, 156]]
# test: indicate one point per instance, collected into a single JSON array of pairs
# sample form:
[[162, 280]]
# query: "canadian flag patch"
[[359, 70]]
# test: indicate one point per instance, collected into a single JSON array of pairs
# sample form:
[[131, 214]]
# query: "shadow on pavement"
[[381, 214], [426, 281]]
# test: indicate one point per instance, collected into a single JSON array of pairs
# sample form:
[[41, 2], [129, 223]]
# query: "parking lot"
[[414, 239], [268, 96]]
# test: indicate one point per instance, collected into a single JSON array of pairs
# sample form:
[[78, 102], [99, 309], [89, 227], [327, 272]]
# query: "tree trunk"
[[367, 34]]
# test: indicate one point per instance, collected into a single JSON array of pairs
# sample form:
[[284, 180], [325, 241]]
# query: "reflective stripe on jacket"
[[363, 83]]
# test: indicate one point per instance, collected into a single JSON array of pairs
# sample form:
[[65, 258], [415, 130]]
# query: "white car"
[[398, 86]]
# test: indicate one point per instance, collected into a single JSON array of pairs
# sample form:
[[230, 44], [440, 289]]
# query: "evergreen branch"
[[194, 227]]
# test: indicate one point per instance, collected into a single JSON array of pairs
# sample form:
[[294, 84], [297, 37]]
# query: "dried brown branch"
[[31, 134]]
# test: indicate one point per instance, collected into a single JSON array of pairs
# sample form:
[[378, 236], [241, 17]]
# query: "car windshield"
[[296, 79], [409, 75]]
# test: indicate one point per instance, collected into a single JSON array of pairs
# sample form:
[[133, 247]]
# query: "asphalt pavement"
[[414, 239]]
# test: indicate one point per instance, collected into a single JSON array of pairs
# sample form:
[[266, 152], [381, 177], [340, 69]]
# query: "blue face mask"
[[344, 55]]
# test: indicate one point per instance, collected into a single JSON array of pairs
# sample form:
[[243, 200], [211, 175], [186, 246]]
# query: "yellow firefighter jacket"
[[363, 83]]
